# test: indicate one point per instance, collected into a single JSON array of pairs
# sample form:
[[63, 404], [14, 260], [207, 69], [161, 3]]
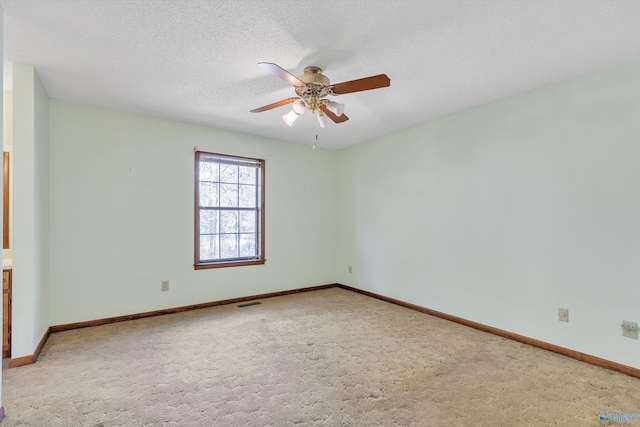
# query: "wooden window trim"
[[200, 265], [207, 265]]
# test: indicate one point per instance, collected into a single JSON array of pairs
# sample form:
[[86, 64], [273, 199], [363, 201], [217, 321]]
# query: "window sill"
[[205, 266]]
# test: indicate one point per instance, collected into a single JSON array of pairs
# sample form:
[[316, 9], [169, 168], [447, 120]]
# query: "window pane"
[[209, 171], [228, 213], [229, 246], [209, 248], [228, 221], [229, 174], [247, 245], [247, 196], [247, 221], [208, 194], [247, 175], [229, 195], [208, 221]]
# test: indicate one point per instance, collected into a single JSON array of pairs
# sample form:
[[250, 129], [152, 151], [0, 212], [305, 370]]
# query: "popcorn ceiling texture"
[[195, 60], [329, 358]]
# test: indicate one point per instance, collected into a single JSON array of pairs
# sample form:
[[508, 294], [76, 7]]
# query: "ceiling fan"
[[312, 89]]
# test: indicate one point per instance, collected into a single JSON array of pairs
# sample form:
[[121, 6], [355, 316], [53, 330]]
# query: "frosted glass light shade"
[[324, 120], [290, 117], [299, 106], [336, 108]]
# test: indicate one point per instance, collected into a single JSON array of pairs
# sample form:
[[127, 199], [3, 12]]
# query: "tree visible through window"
[[229, 211]]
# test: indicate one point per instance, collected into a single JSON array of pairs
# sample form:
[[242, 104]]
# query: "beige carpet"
[[324, 358]]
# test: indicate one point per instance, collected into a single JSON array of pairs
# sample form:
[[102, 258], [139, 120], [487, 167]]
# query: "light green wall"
[[504, 213], [30, 277], [122, 214], [41, 206], [500, 214]]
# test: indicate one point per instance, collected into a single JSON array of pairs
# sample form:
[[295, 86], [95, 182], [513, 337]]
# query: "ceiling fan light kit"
[[290, 117], [324, 121], [336, 108], [312, 89], [299, 106]]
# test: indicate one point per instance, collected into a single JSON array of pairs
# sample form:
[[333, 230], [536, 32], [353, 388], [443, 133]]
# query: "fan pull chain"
[[315, 130]]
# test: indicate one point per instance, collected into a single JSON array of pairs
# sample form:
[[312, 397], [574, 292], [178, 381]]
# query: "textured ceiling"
[[195, 61]]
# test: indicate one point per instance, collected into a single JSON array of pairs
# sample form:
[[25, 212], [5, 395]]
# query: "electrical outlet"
[[563, 314], [164, 285], [629, 329], [350, 270]]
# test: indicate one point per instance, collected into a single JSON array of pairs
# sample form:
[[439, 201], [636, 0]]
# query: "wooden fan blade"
[[274, 105], [367, 83], [336, 119], [282, 73]]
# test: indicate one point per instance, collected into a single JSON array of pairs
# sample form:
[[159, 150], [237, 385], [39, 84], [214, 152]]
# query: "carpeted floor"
[[324, 358]]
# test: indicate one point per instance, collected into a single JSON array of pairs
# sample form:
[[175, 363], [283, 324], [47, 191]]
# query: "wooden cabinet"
[[6, 313]]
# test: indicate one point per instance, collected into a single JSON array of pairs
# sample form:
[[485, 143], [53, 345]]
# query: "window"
[[229, 214]]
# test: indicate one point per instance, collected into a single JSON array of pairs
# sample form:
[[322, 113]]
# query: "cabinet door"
[[6, 313]]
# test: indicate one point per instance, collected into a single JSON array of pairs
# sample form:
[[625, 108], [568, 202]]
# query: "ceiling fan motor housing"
[[314, 76], [316, 87]]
